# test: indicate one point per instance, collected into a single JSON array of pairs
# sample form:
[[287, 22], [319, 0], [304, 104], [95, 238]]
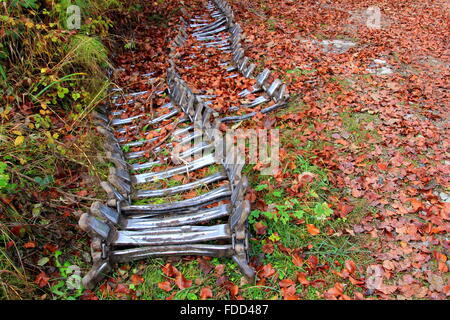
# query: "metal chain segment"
[[122, 231]]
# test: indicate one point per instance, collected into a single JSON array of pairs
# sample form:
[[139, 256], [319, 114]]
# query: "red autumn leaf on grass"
[[82, 193], [268, 248], [305, 178], [204, 265], [137, 279], [301, 277], [446, 290], [42, 279], [105, 289], [440, 257], [383, 166], [30, 245], [89, 295], [334, 292], [169, 270], [221, 280], [283, 249], [9, 244], [355, 281], [219, 269], [182, 282], [350, 266], [343, 209], [329, 231], [442, 266], [50, 247], [286, 283], [342, 141], [313, 261], [205, 293], [234, 290], [165, 285], [260, 228], [122, 289], [291, 297], [312, 229], [297, 260], [289, 292], [357, 193], [267, 271], [17, 230]]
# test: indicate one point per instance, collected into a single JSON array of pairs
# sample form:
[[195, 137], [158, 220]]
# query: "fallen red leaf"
[[297, 260], [89, 295], [344, 209], [312, 229], [50, 247], [286, 283], [9, 244], [289, 292], [82, 193], [442, 266], [219, 269], [350, 266], [355, 281], [268, 248], [170, 270], [260, 228], [313, 261], [267, 271], [416, 204], [42, 279], [234, 290], [137, 279], [205, 293], [122, 289], [334, 292], [165, 285], [17, 230], [30, 245], [182, 282], [301, 277]]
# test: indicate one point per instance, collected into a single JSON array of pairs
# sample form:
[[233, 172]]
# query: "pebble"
[[379, 67], [337, 46], [444, 197]]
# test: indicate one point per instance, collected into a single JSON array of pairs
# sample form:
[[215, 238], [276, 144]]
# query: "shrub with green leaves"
[[4, 178]]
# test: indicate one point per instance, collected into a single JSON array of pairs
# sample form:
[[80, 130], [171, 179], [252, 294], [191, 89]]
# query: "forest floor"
[[360, 207]]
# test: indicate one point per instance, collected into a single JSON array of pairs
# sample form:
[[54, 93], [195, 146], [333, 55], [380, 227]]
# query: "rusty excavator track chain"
[[123, 231]]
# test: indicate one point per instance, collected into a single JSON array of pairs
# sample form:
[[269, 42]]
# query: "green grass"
[[152, 275], [356, 123], [13, 280], [294, 105], [328, 249]]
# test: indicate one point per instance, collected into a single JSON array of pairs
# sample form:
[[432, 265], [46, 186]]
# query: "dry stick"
[[77, 196], [165, 138], [59, 190], [152, 91], [19, 273], [4, 283], [87, 158]]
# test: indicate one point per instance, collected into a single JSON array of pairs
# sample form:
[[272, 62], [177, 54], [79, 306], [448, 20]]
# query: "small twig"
[[59, 190], [77, 196], [169, 134]]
